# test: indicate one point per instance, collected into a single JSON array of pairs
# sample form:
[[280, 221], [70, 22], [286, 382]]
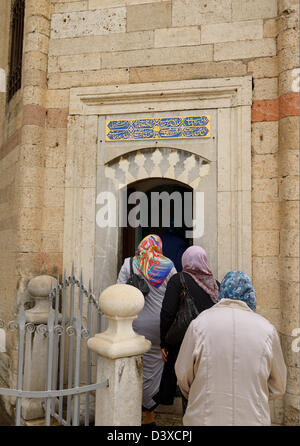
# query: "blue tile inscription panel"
[[182, 127]]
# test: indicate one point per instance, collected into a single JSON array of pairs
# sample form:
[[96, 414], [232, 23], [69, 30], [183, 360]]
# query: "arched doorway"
[[174, 216]]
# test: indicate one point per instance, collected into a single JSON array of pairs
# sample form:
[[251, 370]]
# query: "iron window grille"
[[16, 48]]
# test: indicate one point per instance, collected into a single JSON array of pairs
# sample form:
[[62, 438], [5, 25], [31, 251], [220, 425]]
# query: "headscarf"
[[237, 285], [151, 262], [194, 262]]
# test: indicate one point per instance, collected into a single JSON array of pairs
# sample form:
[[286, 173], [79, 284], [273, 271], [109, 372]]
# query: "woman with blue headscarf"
[[230, 364]]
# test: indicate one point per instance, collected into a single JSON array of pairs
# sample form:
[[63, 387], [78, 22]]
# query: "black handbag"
[[137, 281], [186, 313]]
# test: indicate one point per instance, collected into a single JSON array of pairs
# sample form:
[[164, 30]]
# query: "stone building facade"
[[87, 60]]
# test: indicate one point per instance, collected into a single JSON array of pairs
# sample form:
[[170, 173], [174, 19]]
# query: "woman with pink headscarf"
[[204, 289]]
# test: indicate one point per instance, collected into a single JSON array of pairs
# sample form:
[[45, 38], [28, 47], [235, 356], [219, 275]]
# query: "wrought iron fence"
[[74, 316]]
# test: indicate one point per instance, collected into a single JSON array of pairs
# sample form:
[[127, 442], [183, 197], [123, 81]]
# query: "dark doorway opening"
[[131, 236]]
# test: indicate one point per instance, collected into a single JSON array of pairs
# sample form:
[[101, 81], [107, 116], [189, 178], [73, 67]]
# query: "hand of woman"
[[164, 353]]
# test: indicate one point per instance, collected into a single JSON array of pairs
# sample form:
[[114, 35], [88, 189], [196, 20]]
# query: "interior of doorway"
[[131, 237]]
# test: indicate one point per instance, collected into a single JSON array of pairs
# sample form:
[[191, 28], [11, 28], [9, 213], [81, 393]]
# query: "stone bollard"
[[120, 358], [35, 359]]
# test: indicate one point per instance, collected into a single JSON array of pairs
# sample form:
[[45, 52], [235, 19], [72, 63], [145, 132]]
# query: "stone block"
[[265, 243], [270, 27], [103, 4], [245, 49], [289, 133], [265, 88], [76, 62], [288, 58], [157, 56], [227, 32], [289, 105], [53, 219], [289, 82], [31, 176], [200, 12], [287, 39], [33, 95], [36, 42], [265, 110], [266, 268], [57, 99], [54, 197], [30, 219], [54, 177], [35, 60], [152, 16], [187, 71], [38, 24], [267, 293], [70, 7], [35, 78], [29, 240], [57, 117], [55, 157], [289, 188], [88, 78], [265, 216], [264, 137], [176, 37], [289, 271], [289, 163], [85, 23], [30, 196], [265, 190], [111, 42], [289, 243], [34, 115], [55, 138], [289, 214], [253, 9], [52, 241], [265, 166]]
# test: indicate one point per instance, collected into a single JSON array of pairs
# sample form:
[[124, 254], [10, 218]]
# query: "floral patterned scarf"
[[151, 262], [238, 286]]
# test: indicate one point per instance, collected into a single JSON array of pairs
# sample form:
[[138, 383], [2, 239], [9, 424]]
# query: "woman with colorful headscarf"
[[156, 269], [203, 288], [230, 364]]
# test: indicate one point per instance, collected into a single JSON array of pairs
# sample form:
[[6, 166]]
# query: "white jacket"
[[229, 366]]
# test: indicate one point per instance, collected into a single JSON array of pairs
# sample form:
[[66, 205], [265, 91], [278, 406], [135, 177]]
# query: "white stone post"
[[35, 360], [120, 358]]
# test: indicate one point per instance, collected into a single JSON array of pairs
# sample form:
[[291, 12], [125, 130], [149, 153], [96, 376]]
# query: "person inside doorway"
[[174, 245], [150, 263], [230, 363]]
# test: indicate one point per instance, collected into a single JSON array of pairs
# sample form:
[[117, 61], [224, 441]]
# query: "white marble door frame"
[[231, 97]]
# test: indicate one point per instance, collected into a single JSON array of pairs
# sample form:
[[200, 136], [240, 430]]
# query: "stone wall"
[[99, 42]]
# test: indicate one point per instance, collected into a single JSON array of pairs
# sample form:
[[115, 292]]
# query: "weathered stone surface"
[[265, 88], [265, 243], [289, 214], [288, 38], [271, 27], [84, 23], [177, 37], [288, 58], [57, 99], [36, 42], [265, 110], [265, 216], [225, 32], [87, 78], [199, 12], [245, 49], [111, 42], [152, 16], [289, 243], [289, 188], [265, 166], [70, 7], [102, 4], [264, 137], [267, 293], [289, 133], [266, 267], [289, 105], [187, 71], [265, 190], [289, 162], [253, 9], [157, 56], [57, 117], [76, 62]]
